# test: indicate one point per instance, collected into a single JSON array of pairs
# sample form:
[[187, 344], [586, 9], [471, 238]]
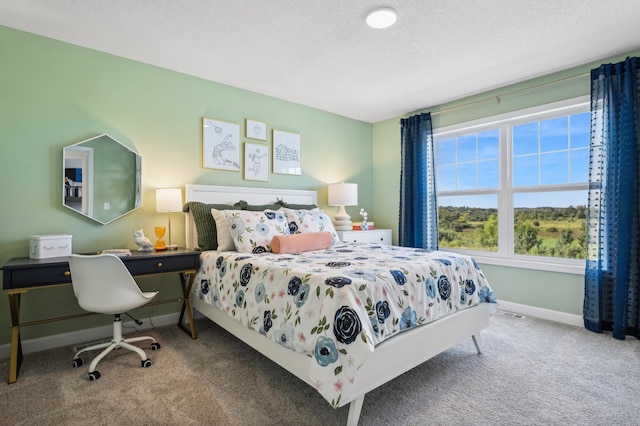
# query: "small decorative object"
[[160, 245], [117, 252], [169, 200], [143, 243], [46, 246], [364, 225], [256, 162], [287, 153], [256, 130], [220, 145]]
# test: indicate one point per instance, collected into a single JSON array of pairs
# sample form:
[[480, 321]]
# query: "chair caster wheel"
[[93, 376], [77, 362], [146, 363], [155, 346]]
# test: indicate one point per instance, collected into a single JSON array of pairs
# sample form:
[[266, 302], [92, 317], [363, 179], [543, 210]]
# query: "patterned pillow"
[[305, 221], [253, 231], [223, 233], [205, 223]]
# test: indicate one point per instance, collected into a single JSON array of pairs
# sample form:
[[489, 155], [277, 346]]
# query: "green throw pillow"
[[242, 205], [205, 224], [283, 203]]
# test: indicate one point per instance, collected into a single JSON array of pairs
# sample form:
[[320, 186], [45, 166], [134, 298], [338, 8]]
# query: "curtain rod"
[[498, 97]]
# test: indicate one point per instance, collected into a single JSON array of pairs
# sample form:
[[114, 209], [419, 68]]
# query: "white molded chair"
[[103, 284]]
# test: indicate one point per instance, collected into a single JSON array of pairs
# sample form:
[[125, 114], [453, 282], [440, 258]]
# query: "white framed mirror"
[[101, 178]]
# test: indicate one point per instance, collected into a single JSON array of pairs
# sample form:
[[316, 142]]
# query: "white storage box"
[[46, 246]]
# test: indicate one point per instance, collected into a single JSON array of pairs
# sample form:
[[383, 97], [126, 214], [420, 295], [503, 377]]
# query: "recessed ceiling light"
[[383, 17]]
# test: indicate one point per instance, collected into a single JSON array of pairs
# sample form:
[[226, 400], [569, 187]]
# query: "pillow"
[[299, 243], [283, 203], [252, 232], [205, 224], [242, 205], [306, 221], [223, 233]]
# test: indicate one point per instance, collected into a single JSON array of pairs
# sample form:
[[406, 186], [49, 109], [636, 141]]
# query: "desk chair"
[[103, 284]]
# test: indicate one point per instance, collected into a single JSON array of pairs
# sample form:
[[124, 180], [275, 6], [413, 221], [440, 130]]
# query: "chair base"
[[116, 343]]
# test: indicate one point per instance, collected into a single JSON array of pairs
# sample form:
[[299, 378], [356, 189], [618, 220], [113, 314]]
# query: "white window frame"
[[505, 255]]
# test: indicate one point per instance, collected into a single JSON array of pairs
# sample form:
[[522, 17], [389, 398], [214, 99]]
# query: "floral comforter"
[[337, 304]]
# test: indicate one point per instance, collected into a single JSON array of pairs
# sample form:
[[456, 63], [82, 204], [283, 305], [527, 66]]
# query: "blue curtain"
[[418, 204], [612, 275]]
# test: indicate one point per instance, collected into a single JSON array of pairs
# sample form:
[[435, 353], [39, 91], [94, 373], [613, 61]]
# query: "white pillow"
[[306, 221], [225, 242], [253, 231]]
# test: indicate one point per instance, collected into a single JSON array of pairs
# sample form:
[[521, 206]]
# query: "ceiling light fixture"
[[383, 17]]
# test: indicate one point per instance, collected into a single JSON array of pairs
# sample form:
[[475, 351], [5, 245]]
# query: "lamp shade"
[[343, 194], [169, 200]]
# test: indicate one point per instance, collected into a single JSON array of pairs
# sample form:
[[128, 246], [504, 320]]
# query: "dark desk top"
[[24, 272]]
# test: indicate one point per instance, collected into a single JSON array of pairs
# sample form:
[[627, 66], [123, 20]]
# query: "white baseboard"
[[542, 313], [88, 335]]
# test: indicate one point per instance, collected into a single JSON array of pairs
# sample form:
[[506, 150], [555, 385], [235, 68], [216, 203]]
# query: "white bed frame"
[[391, 358]]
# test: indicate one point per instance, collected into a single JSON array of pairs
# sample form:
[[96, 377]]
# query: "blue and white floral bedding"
[[337, 304]]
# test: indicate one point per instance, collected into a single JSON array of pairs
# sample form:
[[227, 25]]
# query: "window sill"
[[566, 266]]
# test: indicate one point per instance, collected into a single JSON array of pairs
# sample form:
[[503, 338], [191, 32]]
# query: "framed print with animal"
[[220, 145], [287, 153]]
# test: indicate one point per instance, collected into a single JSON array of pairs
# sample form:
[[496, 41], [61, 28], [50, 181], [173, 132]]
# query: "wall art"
[[220, 144], [256, 130], [287, 153], [256, 162]]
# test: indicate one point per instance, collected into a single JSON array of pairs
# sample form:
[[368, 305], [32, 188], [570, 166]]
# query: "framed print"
[[220, 145], [287, 153], [256, 162], [256, 130]]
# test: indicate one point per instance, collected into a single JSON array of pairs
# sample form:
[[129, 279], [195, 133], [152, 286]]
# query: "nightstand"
[[382, 236]]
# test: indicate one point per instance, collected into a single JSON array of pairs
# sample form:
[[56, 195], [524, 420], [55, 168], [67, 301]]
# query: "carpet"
[[532, 372]]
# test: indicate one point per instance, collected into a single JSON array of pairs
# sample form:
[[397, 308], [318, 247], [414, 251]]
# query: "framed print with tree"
[[220, 144], [256, 130], [256, 162], [287, 153]]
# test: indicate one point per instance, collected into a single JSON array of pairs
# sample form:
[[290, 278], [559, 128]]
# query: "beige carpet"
[[533, 372]]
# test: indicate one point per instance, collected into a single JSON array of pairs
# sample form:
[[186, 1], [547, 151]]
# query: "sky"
[[545, 152]]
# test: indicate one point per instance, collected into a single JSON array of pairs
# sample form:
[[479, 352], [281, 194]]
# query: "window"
[[514, 187]]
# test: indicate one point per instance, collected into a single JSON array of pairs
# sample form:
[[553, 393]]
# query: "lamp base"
[[172, 247], [343, 223]]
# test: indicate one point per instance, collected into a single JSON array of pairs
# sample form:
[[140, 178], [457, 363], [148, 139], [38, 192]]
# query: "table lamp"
[[169, 200], [343, 194]]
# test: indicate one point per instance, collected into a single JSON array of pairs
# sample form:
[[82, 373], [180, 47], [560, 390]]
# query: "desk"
[[21, 275]]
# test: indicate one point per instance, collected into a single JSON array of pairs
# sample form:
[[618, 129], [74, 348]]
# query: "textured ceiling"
[[321, 53]]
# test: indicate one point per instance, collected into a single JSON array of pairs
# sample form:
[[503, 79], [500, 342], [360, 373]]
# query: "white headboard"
[[212, 194]]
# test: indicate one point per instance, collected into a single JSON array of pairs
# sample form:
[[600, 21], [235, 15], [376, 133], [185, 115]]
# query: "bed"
[[346, 318]]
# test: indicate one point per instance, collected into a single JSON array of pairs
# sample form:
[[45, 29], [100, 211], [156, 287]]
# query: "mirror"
[[101, 179]]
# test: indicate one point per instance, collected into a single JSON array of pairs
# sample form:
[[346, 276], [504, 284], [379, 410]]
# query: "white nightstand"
[[382, 236]]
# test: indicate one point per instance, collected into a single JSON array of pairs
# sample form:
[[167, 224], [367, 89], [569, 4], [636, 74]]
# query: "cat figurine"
[[144, 244]]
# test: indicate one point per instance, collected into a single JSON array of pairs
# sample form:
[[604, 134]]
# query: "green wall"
[[54, 94], [556, 291]]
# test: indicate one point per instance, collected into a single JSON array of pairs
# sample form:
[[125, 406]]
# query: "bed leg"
[[355, 407], [478, 342]]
